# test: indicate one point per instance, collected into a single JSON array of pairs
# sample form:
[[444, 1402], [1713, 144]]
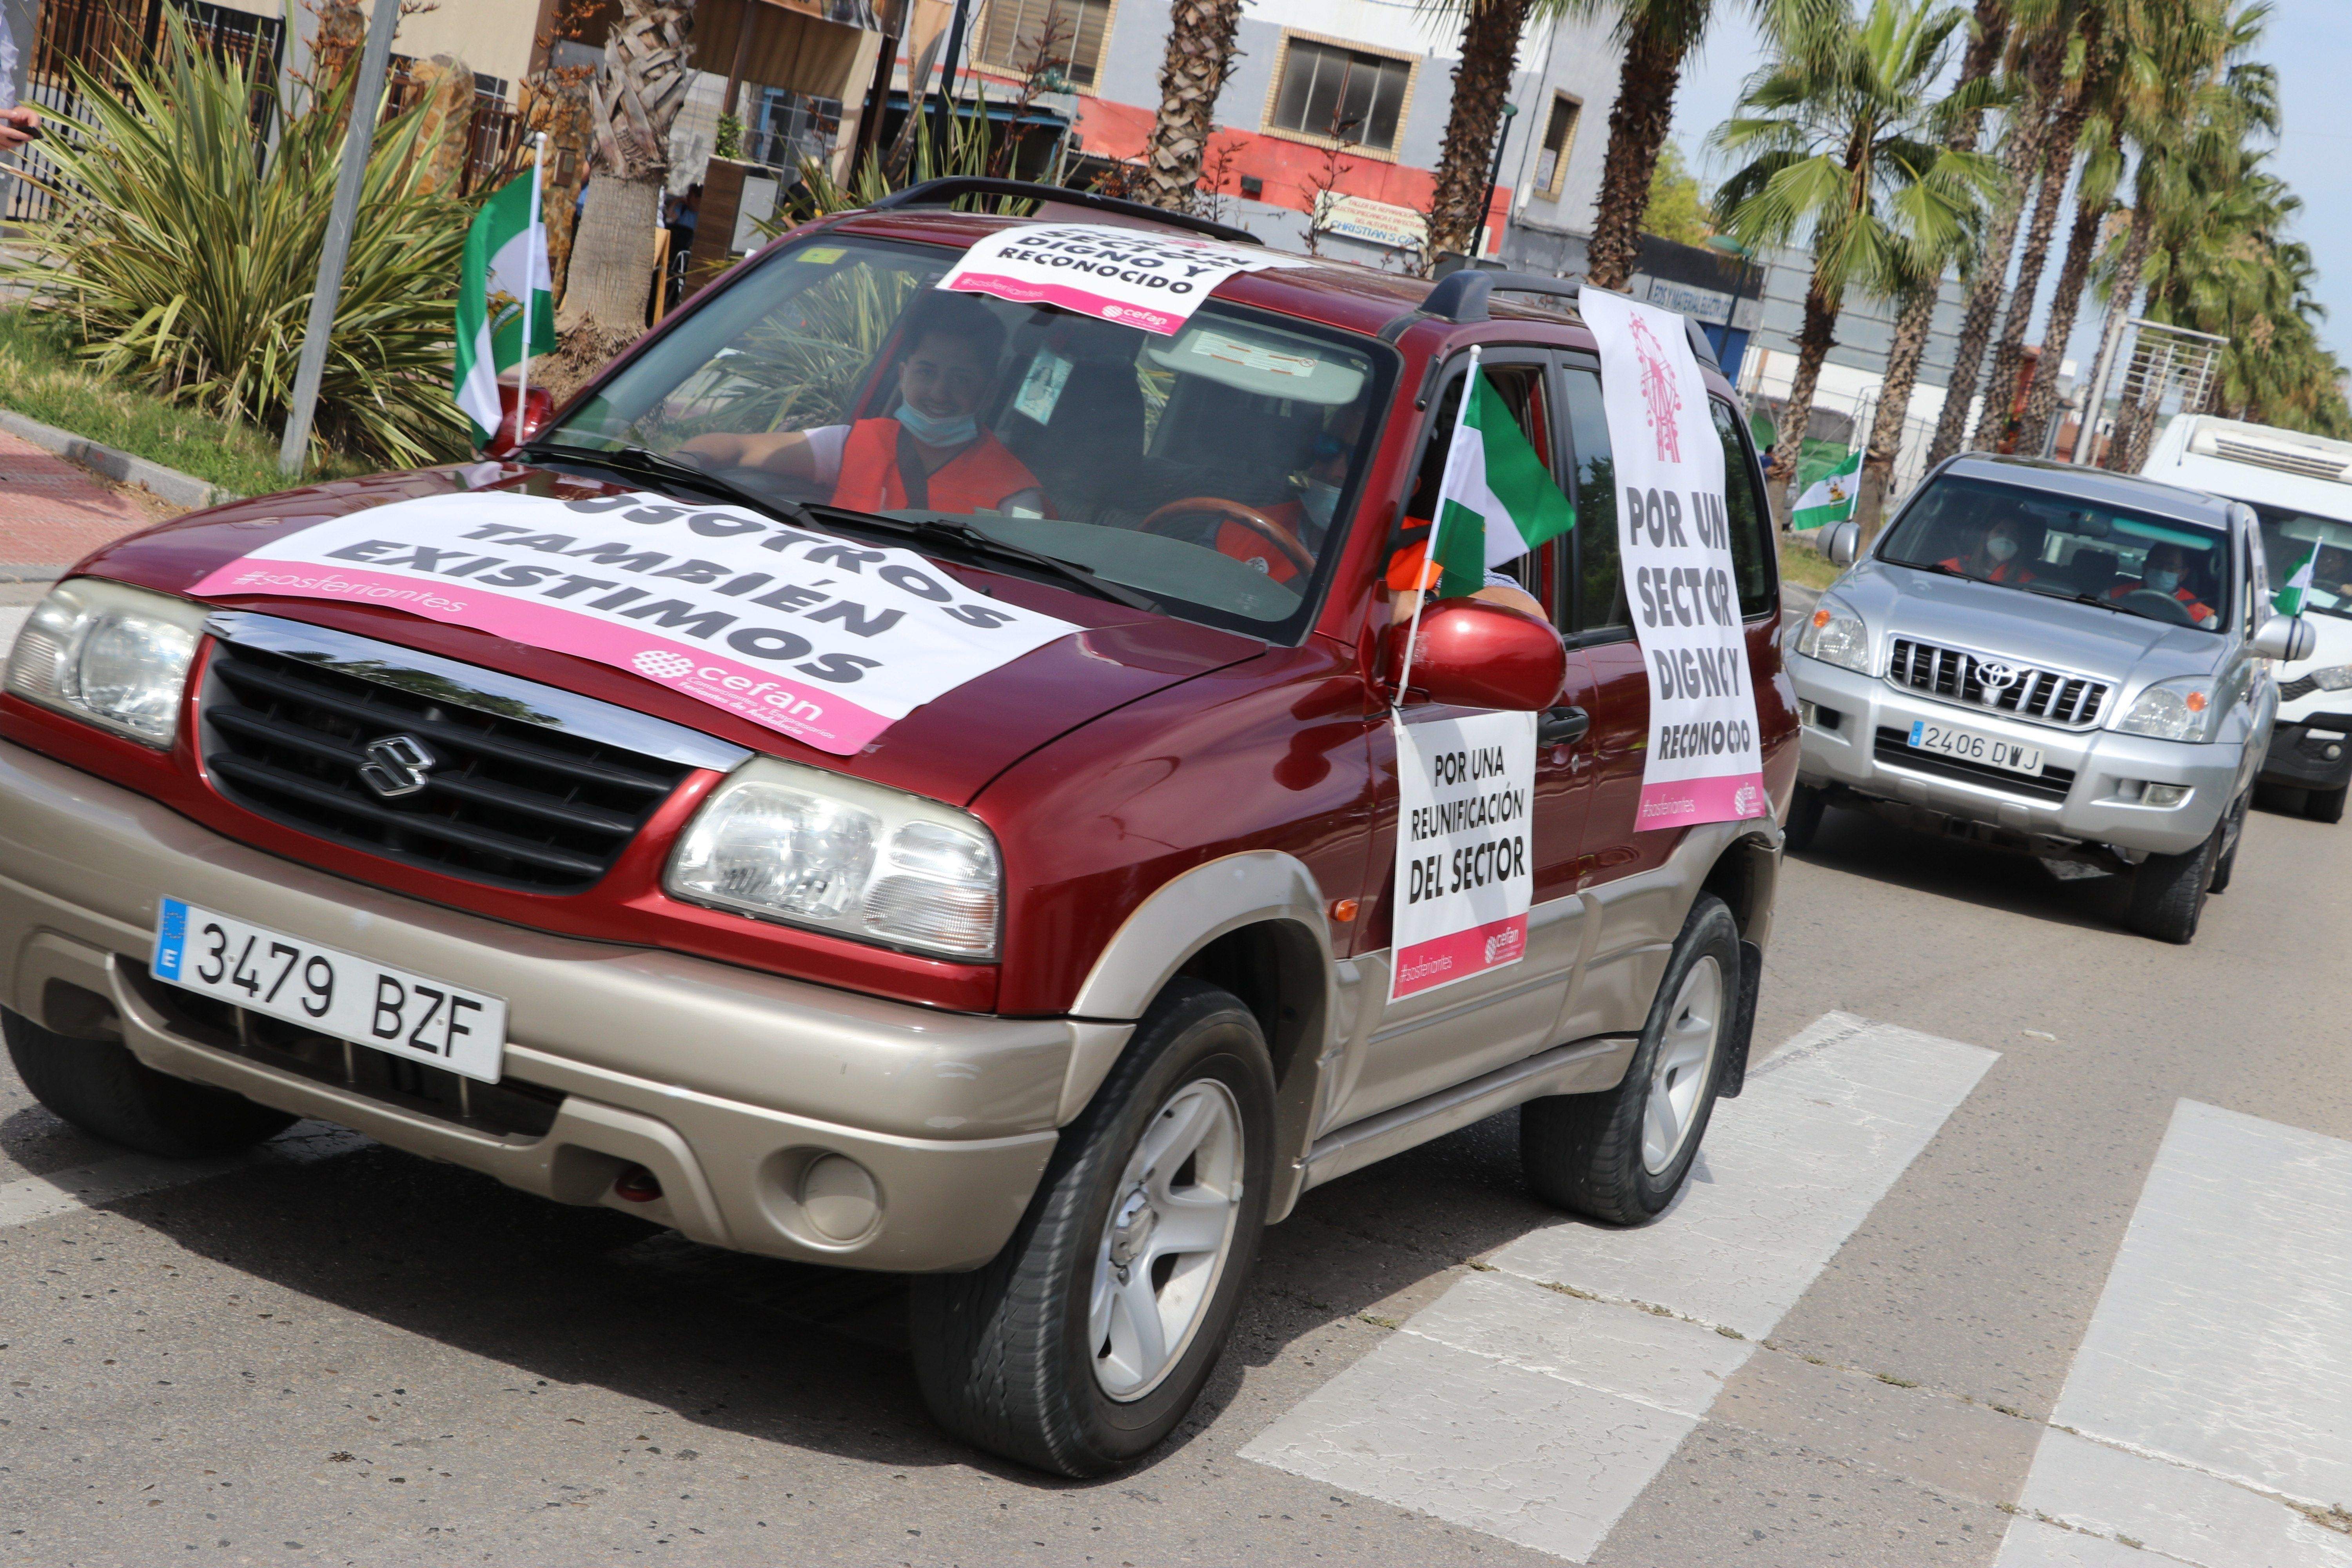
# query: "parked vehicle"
[[1052, 992], [2301, 487], [2050, 659]]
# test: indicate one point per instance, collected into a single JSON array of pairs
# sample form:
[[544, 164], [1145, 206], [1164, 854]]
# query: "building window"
[[1347, 96], [1559, 136], [784, 128], [1019, 35]]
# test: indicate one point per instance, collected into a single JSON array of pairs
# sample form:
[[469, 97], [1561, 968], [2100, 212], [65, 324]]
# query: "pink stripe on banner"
[[1442, 960], [817, 717], [1084, 302], [1685, 802]]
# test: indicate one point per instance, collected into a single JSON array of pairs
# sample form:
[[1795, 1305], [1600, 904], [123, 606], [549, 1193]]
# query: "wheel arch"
[[1745, 875]]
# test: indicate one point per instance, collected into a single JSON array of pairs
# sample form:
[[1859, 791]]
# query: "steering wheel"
[[1285, 541], [2158, 606]]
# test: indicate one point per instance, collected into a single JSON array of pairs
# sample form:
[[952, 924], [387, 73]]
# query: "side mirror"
[[2287, 639], [1840, 542], [538, 408], [1473, 654]]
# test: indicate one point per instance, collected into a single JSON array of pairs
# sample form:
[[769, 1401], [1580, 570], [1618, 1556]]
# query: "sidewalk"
[[52, 512]]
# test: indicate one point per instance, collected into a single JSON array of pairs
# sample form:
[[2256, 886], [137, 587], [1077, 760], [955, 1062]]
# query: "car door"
[[1424, 1043], [1638, 912]]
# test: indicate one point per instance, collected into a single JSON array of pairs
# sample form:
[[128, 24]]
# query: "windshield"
[[2163, 568], [2288, 536], [1207, 469]]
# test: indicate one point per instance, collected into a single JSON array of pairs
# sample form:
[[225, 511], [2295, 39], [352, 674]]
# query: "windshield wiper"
[[1938, 566], [949, 534], [638, 462], [2073, 597]]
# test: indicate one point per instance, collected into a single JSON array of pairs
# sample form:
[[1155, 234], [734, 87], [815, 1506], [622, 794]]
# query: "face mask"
[[2001, 549], [2157, 580], [933, 432], [1319, 500]]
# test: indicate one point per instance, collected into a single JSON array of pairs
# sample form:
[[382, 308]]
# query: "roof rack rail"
[[1462, 297], [952, 188]]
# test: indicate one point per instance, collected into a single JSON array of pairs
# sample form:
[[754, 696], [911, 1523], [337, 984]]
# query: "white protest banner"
[[1134, 277], [819, 638], [1703, 764], [1463, 882]]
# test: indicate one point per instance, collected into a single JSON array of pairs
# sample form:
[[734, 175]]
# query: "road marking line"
[[31, 1198], [1538, 1415], [2212, 1399]]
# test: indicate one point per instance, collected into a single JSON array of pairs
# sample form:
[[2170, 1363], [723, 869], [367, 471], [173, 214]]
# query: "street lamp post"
[[341, 216]]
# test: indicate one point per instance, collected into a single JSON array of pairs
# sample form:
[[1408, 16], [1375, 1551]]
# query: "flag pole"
[[535, 250], [1421, 597]]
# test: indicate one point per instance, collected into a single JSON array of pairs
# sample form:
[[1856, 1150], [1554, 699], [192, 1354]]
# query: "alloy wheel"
[[1683, 1064], [1165, 1243]]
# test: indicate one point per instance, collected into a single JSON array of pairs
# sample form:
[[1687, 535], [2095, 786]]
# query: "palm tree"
[[631, 108], [1192, 74], [2095, 199], [1845, 137], [1482, 80]]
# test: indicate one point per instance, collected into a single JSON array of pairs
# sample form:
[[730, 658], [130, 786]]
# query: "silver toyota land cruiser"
[[2055, 661]]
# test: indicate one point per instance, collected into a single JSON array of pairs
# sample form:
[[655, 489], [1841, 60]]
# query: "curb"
[[179, 489]]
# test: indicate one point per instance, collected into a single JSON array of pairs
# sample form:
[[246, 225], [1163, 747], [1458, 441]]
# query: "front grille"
[[512, 1107], [1894, 746], [2294, 690], [1955, 674], [505, 801]]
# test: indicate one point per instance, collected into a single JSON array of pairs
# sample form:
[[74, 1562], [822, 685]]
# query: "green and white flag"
[[2288, 601], [1498, 500], [502, 295], [1830, 497]]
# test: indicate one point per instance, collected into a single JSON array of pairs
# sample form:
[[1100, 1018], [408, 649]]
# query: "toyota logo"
[[397, 765], [1997, 675]]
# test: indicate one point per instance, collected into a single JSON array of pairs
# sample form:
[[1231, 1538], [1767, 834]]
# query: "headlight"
[[2173, 710], [2336, 678], [813, 849], [1835, 635], [115, 655]]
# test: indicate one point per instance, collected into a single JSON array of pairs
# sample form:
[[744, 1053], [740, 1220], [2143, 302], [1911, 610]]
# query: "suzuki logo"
[[397, 765], [1997, 675]]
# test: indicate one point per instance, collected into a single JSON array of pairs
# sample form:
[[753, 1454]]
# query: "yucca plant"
[[181, 253]]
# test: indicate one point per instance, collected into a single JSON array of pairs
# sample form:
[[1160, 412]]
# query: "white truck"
[[2301, 487]]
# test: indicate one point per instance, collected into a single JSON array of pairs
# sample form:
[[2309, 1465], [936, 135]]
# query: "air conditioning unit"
[[2313, 457]]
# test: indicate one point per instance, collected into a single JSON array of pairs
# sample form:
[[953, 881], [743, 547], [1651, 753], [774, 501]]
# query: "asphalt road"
[[2032, 1248]]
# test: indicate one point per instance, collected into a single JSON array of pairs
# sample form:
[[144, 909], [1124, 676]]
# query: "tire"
[[1606, 1155], [2167, 893], [1806, 806], [2288, 800], [2324, 805], [2234, 833], [102, 1089], [1039, 1356]]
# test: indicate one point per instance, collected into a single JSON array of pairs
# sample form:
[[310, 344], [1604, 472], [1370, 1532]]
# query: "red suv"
[[1047, 970]]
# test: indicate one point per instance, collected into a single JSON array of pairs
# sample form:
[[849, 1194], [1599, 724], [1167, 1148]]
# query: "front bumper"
[[2093, 806], [2299, 754], [727, 1084]]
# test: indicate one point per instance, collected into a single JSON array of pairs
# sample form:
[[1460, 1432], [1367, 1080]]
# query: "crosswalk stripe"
[[2208, 1414], [30, 1198], [1536, 1400]]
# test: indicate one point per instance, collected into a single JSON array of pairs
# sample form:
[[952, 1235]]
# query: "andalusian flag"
[[503, 292], [1497, 501], [1830, 497], [2288, 601]]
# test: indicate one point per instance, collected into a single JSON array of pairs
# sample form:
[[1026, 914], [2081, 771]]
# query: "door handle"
[[1559, 726]]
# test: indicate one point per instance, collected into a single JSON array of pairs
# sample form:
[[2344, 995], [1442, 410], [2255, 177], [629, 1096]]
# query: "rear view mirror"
[[2287, 639], [1840, 542], [517, 426], [1473, 654]]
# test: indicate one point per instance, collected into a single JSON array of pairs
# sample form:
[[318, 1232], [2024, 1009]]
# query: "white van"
[[2301, 487]]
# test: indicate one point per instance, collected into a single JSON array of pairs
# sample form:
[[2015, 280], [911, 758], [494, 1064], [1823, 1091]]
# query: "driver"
[[930, 454], [1309, 517], [1995, 558], [2166, 572]]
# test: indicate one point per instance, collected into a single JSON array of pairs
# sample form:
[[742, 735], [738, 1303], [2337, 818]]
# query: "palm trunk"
[[2123, 290], [2042, 398], [1482, 82], [1813, 345], [1637, 129], [1919, 314], [2058, 161], [613, 255], [1200, 53]]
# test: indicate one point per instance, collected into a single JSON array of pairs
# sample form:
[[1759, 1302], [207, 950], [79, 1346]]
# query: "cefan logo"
[[1662, 393], [662, 665], [1749, 800]]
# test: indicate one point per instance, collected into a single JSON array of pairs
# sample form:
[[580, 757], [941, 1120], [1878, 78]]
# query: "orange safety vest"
[[2198, 608], [1999, 573], [874, 478]]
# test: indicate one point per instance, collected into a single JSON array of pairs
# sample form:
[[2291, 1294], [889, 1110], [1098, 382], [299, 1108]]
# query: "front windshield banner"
[[817, 639], [1703, 763], [1132, 277], [1462, 879]]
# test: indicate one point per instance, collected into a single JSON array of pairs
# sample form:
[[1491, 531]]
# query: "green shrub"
[[181, 255]]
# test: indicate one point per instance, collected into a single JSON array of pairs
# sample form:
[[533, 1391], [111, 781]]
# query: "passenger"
[[930, 454], [2166, 572], [1994, 560]]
